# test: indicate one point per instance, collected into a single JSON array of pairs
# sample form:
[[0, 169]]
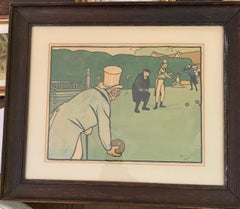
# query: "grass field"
[[171, 134]]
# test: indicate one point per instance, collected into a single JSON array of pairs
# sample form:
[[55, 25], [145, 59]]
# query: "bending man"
[[78, 116]]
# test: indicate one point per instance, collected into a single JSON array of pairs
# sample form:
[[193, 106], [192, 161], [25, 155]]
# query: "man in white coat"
[[78, 116]]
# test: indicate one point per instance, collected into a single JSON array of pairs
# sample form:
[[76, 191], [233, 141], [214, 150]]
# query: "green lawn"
[[171, 134]]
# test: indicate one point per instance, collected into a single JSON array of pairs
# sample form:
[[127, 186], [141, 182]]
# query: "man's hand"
[[112, 151]]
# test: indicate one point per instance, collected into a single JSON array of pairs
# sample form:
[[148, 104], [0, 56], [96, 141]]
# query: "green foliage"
[[73, 65], [3, 43]]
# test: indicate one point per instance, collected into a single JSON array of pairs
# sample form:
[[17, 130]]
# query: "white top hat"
[[112, 76]]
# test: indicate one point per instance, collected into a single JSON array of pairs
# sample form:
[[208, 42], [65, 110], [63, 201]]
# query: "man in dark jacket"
[[140, 90], [193, 78]]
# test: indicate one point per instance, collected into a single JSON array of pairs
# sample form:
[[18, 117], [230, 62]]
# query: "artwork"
[[139, 109], [3, 54], [147, 97]]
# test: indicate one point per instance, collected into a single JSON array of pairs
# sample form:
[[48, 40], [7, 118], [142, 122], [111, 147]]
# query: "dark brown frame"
[[24, 16]]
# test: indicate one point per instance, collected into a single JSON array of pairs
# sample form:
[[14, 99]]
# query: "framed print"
[[120, 60], [137, 109], [3, 57]]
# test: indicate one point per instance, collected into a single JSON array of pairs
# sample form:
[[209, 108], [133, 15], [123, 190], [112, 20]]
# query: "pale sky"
[[134, 50]]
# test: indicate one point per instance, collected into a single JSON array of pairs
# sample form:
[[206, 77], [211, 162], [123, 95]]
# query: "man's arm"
[[104, 129], [139, 84]]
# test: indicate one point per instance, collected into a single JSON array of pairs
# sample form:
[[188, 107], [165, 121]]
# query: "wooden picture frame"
[[24, 17]]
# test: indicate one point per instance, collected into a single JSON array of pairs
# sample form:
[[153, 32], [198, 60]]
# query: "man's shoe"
[[137, 111], [156, 106], [162, 106], [145, 108]]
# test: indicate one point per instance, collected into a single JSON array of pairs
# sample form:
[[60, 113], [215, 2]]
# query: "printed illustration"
[[3, 56], [126, 103]]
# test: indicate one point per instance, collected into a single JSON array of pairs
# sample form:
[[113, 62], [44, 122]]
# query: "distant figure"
[[178, 54], [177, 82], [159, 85], [193, 77], [140, 90]]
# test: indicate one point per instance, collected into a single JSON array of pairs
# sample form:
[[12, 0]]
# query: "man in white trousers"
[[159, 85]]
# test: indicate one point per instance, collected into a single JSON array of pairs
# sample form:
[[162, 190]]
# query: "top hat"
[[111, 77]]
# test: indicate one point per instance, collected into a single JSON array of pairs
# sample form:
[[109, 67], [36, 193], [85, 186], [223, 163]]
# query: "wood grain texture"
[[94, 206], [4, 4], [55, 206], [4, 9]]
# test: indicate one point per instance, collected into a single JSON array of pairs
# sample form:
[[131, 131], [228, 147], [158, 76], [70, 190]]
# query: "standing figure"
[[193, 77], [78, 116], [140, 90], [159, 84]]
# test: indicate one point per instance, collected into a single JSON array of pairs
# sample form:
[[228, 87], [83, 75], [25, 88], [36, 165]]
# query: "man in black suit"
[[140, 90]]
